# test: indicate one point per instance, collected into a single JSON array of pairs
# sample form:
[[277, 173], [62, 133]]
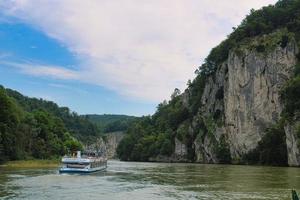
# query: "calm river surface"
[[130, 180]]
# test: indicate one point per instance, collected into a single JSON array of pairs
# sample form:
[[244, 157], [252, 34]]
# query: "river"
[[131, 180]]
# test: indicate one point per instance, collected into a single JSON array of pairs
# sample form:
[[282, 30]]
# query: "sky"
[[113, 57]]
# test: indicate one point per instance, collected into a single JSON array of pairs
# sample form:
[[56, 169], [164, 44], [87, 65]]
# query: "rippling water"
[[129, 180]]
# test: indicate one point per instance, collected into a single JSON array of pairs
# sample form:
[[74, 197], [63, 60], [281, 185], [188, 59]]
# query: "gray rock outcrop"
[[112, 142], [242, 99], [292, 142]]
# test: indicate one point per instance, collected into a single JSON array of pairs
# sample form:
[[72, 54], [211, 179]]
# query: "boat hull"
[[80, 171]]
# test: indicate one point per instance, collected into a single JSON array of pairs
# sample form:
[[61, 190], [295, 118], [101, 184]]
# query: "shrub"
[[260, 48], [290, 95], [271, 150], [284, 41], [220, 93], [223, 151]]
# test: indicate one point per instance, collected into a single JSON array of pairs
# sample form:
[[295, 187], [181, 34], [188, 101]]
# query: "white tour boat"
[[82, 164]]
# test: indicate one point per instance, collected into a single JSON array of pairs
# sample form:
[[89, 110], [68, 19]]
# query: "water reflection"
[[130, 180]]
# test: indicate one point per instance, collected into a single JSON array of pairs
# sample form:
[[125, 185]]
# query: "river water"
[[130, 181]]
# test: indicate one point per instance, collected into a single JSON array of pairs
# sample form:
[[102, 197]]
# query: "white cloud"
[[67, 87], [56, 72], [139, 48]]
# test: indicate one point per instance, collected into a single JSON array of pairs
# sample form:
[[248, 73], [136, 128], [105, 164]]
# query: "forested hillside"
[[35, 128], [111, 123], [220, 117]]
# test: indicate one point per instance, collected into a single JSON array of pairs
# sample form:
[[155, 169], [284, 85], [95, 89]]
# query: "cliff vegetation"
[[232, 78]]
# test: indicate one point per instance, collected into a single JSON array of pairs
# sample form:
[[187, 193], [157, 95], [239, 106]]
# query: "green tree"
[[72, 145]]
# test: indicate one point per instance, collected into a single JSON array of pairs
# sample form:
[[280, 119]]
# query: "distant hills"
[[77, 125], [111, 123]]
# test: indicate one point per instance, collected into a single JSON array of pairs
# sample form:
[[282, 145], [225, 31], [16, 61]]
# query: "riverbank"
[[31, 164]]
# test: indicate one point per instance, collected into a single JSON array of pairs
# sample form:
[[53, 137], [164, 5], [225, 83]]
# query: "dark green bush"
[[284, 41], [260, 48], [297, 69], [271, 150], [290, 96], [220, 93], [223, 151]]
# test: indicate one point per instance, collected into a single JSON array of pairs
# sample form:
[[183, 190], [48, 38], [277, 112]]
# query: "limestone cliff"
[[112, 142], [243, 104], [292, 142], [241, 99]]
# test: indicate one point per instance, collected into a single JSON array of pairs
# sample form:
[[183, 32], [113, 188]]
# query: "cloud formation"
[[139, 48], [55, 72]]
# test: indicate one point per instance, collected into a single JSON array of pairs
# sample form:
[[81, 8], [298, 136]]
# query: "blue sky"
[[20, 42], [118, 57]]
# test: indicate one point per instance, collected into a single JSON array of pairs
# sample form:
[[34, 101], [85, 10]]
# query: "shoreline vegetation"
[[52, 163], [35, 163]]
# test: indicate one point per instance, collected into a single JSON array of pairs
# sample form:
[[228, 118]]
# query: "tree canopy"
[[35, 128]]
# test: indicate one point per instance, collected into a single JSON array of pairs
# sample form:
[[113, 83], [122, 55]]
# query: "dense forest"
[[35, 128], [77, 125], [154, 135], [111, 123]]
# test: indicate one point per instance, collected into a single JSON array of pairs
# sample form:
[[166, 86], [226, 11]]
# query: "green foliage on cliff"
[[272, 149], [111, 123], [267, 43], [195, 90], [151, 136], [35, 128], [223, 151], [284, 14], [298, 135], [144, 140], [262, 30], [290, 95]]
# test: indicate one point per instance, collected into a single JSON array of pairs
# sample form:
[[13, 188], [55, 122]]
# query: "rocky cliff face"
[[180, 149], [292, 144], [241, 100], [112, 142]]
